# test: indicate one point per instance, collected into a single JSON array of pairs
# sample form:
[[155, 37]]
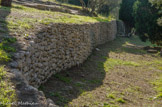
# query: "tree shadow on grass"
[[4, 12], [6, 50], [6, 39]]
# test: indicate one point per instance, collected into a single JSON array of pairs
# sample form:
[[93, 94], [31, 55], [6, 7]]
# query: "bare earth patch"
[[118, 74]]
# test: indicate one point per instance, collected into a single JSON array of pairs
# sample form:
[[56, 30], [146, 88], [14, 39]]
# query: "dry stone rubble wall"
[[60, 46]]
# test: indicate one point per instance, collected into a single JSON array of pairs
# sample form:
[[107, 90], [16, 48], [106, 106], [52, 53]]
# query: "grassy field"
[[121, 74]]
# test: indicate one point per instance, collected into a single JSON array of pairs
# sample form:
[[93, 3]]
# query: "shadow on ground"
[[4, 12], [6, 40], [67, 85]]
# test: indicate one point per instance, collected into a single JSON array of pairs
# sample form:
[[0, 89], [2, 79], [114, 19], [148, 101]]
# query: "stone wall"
[[121, 28], [60, 46]]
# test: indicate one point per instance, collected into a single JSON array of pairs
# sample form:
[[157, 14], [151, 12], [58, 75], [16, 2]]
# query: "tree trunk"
[[6, 3]]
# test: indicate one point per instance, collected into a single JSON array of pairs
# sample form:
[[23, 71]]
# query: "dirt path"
[[118, 73]]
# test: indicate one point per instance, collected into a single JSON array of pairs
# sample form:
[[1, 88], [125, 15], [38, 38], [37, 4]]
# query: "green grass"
[[109, 105], [29, 18], [111, 63], [4, 57], [121, 100], [6, 44], [112, 96], [158, 86], [135, 40], [57, 17], [61, 99], [63, 78], [5, 48], [7, 93]]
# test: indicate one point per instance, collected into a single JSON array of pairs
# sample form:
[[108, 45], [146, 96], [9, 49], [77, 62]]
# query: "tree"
[[108, 6], [158, 4], [145, 17], [125, 12], [6, 3], [93, 6]]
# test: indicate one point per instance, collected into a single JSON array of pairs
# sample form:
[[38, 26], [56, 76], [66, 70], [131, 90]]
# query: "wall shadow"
[[68, 85]]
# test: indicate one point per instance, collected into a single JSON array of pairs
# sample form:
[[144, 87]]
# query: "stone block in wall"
[[120, 28]]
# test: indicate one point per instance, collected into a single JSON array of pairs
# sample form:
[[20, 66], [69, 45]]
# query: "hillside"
[[120, 73]]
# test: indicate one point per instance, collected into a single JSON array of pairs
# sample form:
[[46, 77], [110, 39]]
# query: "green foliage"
[[6, 3], [77, 2], [125, 12], [146, 17], [158, 4], [104, 10]]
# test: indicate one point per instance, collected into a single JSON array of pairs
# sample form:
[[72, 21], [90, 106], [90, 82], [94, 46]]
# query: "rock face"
[[60, 46]]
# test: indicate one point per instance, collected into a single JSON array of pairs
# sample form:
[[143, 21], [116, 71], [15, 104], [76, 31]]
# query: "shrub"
[[145, 17]]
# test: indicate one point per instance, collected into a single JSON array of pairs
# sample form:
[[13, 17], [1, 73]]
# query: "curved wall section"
[[60, 46]]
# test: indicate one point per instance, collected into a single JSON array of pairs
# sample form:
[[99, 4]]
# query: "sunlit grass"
[[30, 19], [158, 86], [4, 57], [7, 92], [111, 63], [59, 16]]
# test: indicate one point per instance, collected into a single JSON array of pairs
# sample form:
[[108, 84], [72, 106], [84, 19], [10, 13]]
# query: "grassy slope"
[[120, 74], [23, 20], [7, 92]]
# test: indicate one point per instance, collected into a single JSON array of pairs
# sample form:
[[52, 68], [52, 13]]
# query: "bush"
[[145, 17], [125, 12], [104, 10]]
